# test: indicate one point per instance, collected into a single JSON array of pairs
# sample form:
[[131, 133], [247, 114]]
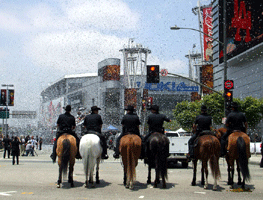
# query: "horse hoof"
[[98, 182], [58, 185], [131, 187], [164, 186], [148, 182], [214, 188], [72, 185], [127, 186], [193, 184], [92, 186], [239, 183], [205, 187], [154, 186], [231, 187]]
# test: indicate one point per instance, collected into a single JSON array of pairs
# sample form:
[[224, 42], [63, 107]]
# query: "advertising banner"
[[207, 29], [111, 72], [207, 78], [130, 97], [244, 24]]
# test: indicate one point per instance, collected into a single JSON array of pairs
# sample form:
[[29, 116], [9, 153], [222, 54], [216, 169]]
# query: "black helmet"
[[203, 108]]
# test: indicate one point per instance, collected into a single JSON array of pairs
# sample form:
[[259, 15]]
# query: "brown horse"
[[207, 149], [130, 150], [238, 149], [66, 152], [158, 150]]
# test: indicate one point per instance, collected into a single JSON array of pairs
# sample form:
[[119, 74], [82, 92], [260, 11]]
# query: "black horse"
[[157, 152]]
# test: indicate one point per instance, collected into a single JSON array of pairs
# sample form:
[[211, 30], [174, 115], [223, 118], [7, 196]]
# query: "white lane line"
[[200, 192], [6, 193]]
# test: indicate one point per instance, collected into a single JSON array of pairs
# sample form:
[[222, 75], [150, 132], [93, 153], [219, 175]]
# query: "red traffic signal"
[[153, 74]]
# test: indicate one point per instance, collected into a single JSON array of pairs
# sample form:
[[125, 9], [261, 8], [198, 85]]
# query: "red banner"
[[207, 29]]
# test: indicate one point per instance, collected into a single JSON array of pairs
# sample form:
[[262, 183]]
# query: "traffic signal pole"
[[197, 83]]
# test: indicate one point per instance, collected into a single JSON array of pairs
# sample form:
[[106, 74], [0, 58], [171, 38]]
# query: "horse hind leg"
[[97, 171], [70, 175], [238, 174], [149, 175], [205, 175], [194, 173], [59, 177]]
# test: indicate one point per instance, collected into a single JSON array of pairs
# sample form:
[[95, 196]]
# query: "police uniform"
[[93, 123], [155, 122], [65, 124], [235, 121], [130, 123], [203, 123]]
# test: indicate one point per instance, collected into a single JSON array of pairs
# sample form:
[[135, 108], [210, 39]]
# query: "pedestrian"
[[23, 145], [7, 145], [130, 124], [40, 143], [155, 122], [93, 124], [203, 122], [37, 142], [15, 149], [29, 148], [66, 123], [236, 120]]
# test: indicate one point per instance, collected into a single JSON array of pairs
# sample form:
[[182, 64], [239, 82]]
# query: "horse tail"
[[131, 173], [213, 161], [242, 158], [162, 158], [65, 156]]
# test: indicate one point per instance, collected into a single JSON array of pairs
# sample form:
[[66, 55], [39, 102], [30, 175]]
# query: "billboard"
[[244, 23], [110, 72], [130, 97], [207, 29], [207, 78]]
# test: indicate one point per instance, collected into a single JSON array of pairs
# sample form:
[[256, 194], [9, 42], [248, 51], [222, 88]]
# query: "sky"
[[41, 41]]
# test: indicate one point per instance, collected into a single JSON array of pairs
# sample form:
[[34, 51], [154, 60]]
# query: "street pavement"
[[35, 178]]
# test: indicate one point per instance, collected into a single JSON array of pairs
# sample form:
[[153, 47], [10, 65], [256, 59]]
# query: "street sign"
[[164, 72], [229, 84]]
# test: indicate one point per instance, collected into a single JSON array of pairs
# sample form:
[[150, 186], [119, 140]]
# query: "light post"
[[6, 102], [222, 43]]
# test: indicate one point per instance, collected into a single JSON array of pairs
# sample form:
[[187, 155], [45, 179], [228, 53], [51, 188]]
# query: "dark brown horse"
[[66, 152], [238, 149], [158, 150], [130, 150], [207, 149]]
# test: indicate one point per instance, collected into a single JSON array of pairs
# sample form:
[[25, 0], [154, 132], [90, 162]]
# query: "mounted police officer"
[[130, 124], [202, 123], [93, 124], [235, 121], [66, 124], [155, 122]]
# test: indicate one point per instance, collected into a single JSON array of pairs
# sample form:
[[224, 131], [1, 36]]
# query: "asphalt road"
[[35, 178]]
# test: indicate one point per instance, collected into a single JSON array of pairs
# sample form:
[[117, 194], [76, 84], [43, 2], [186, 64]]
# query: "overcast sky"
[[43, 40]]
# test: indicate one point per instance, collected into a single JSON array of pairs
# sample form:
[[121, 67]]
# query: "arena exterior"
[[106, 90]]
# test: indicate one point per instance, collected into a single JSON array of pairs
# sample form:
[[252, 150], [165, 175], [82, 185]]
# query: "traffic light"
[[228, 95], [153, 74], [149, 102]]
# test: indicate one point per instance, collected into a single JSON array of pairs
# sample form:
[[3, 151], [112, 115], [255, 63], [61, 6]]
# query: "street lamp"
[[222, 43], [6, 102]]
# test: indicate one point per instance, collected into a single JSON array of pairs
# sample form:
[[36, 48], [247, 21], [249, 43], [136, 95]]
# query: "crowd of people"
[[16, 146]]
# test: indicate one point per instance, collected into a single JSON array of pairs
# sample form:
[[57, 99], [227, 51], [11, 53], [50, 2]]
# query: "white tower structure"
[[134, 62]]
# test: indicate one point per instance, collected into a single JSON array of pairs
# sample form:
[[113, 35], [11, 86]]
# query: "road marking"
[[141, 197], [200, 192], [27, 193], [6, 193]]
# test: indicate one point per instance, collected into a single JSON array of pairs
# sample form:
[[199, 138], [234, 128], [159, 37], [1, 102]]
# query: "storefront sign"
[[169, 86]]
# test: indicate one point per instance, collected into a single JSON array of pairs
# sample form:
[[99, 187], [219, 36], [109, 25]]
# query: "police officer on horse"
[[155, 122], [202, 123], [130, 124], [93, 124], [236, 120], [66, 124]]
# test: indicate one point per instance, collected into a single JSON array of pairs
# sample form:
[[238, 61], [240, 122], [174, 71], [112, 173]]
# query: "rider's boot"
[[223, 148], [104, 154], [191, 151], [78, 156], [116, 154], [53, 156]]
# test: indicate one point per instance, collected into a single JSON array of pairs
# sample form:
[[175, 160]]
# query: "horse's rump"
[[71, 140], [130, 150], [232, 144], [207, 145], [130, 142]]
